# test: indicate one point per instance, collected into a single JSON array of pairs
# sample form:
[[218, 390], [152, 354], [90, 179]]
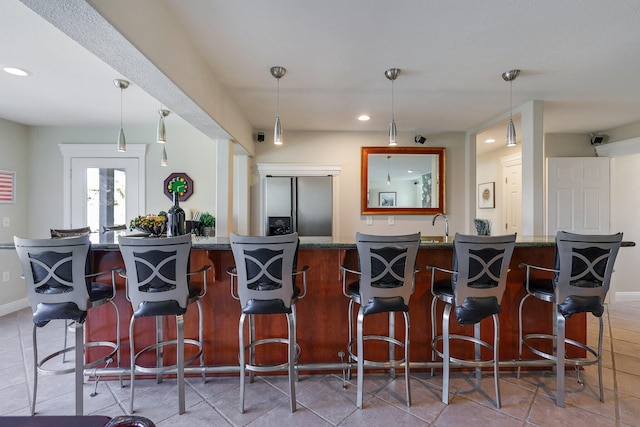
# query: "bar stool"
[[386, 282], [59, 286], [69, 232], [478, 281], [157, 285], [581, 279], [265, 272]]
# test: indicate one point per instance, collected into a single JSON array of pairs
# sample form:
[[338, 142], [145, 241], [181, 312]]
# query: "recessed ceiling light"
[[16, 71], [490, 140], [364, 117]]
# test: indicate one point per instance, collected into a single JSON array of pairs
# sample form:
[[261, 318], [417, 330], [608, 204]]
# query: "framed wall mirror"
[[402, 180]]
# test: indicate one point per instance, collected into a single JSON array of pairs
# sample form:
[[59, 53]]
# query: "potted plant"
[[207, 225]]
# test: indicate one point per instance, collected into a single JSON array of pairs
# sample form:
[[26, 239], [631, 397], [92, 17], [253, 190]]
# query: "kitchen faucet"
[[446, 223]]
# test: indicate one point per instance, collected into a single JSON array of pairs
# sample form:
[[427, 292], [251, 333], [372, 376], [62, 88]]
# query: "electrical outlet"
[[391, 220], [369, 220], [6, 221], [6, 276]]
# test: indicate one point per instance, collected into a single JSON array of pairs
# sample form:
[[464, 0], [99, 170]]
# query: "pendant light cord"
[[121, 107], [278, 99], [511, 99], [392, 99]]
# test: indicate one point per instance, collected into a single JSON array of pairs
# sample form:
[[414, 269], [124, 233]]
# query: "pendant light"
[[392, 74], [164, 161], [388, 174], [278, 72], [122, 141], [161, 134], [510, 76]]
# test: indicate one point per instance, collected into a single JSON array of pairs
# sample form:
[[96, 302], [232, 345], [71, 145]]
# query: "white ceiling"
[[579, 56]]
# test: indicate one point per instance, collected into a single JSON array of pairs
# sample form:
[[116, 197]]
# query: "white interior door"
[[93, 203], [578, 195], [513, 198]]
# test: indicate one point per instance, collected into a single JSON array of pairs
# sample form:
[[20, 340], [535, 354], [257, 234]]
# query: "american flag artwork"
[[7, 187]]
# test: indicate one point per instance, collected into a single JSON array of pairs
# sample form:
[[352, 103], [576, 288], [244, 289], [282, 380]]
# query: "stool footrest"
[[92, 364], [376, 364], [161, 369], [574, 361], [271, 367], [465, 362]]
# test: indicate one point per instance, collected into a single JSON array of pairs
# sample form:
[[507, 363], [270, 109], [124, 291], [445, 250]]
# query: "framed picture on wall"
[[486, 195], [387, 199]]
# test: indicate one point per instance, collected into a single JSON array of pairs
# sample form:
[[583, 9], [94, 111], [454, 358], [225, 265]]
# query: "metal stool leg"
[[132, 356], [241, 360], [201, 337], [520, 334], [79, 373], [180, 362], [476, 348], [392, 347], [35, 369], [496, 357], [359, 332], [600, 333], [292, 360], [252, 351], [446, 353], [407, 374], [350, 316], [434, 300], [560, 354]]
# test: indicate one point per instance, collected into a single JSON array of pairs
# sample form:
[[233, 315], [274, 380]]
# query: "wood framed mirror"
[[402, 180]]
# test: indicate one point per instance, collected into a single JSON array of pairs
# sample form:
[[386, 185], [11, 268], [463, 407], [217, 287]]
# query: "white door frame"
[[69, 151]]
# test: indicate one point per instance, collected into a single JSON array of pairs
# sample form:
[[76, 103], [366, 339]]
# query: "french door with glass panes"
[[104, 191]]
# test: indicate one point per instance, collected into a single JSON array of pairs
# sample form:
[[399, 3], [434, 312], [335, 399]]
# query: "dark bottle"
[[175, 218]]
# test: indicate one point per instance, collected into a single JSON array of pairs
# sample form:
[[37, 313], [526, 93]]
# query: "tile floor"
[[322, 401]]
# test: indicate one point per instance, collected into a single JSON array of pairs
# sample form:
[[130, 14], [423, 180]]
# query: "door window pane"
[[105, 197]]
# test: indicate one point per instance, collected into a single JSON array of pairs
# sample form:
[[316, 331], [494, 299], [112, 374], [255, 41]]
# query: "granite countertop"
[[108, 241]]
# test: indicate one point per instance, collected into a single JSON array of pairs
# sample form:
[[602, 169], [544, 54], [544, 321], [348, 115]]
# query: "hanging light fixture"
[[164, 161], [161, 134], [278, 72], [510, 76], [392, 74], [122, 141], [388, 174]]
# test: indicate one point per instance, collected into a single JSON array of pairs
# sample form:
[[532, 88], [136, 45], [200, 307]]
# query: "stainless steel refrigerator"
[[303, 204]]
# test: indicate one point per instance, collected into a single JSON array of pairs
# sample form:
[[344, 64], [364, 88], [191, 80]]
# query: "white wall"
[[13, 146], [625, 205], [344, 148], [188, 150]]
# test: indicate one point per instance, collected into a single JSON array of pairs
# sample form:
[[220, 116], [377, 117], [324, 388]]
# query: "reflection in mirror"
[[402, 180]]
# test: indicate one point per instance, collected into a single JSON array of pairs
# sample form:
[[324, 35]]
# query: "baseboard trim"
[[627, 296], [13, 306]]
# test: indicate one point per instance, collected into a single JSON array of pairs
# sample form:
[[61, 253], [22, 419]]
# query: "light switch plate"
[[6, 221], [391, 220], [369, 220], [6, 276]]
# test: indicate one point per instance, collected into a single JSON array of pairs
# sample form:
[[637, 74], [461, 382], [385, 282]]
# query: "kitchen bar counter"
[[322, 314]]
